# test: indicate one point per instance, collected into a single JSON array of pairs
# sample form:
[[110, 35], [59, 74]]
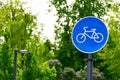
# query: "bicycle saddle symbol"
[[97, 37]]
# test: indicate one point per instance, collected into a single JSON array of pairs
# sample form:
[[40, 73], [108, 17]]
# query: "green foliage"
[[111, 51], [82, 74], [15, 33], [69, 74], [58, 66], [16, 27], [6, 68], [47, 73], [68, 15]]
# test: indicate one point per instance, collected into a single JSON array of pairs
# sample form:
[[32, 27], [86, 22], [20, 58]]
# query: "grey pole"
[[15, 64], [90, 63], [15, 61]]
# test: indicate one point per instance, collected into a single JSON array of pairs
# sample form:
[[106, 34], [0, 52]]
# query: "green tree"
[[47, 73], [110, 64], [17, 27], [68, 15]]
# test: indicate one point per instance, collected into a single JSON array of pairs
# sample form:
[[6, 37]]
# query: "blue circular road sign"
[[89, 35]]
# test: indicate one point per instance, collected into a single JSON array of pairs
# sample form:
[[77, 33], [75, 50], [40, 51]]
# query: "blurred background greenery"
[[59, 60]]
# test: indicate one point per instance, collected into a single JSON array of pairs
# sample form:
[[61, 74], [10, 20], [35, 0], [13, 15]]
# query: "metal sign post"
[[89, 66], [89, 61]]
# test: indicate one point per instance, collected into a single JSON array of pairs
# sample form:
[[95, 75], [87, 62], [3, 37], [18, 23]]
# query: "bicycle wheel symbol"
[[81, 38], [98, 37]]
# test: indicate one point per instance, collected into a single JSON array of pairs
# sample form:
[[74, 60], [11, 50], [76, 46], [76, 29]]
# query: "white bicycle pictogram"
[[97, 37]]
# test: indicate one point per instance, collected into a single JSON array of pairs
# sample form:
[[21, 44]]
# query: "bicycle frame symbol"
[[97, 37]]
